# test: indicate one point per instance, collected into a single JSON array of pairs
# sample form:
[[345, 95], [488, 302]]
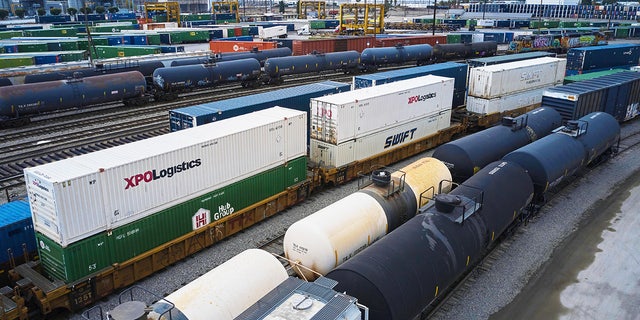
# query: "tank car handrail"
[[422, 196], [157, 298], [573, 128]]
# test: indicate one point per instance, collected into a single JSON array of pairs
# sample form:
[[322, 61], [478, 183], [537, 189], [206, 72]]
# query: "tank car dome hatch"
[[381, 178], [446, 202], [130, 310]]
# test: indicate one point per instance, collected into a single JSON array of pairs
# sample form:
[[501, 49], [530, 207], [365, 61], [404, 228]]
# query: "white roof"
[[85, 164]]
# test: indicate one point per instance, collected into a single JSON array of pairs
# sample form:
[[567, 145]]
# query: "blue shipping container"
[[616, 94], [295, 98], [598, 58], [457, 71], [16, 228], [171, 49]]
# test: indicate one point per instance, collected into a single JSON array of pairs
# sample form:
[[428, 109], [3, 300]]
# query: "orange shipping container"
[[240, 46]]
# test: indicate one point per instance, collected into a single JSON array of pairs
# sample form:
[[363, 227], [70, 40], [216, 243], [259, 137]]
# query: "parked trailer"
[[118, 208]]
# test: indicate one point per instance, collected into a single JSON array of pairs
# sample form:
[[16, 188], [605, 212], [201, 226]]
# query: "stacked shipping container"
[[590, 59], [355, 125], [513, 85], [108, 206]]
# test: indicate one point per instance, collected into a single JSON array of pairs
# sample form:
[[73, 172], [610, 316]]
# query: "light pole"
[[434, 18]]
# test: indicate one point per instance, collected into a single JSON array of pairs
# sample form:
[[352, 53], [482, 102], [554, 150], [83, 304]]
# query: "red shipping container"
[[407, 41], [237, 32], [240, 46], [302, 47]]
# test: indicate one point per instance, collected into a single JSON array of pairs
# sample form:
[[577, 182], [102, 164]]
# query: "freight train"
[[559, 43], [165, 82], [444, 240], [136, 262]]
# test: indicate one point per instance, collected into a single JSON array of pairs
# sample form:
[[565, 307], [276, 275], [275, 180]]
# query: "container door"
[[622, 100], [610, 100]]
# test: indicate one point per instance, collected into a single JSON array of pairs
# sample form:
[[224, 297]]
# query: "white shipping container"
[[505, 103], [331, 155], [75, 198], [477, 37], [507, 78], [349, 115]]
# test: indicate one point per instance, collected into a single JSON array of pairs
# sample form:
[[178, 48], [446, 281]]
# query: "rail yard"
[[487, 164]]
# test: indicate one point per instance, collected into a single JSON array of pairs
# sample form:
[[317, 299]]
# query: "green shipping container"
[[63, 45], [11, 62], [153, 39], [245, 31], [190, 36], [231, 33], [114, 28], [32, 47], [472, 23], [61, 32], [10, 34], [105, 52], [76, 260], [147, 233], [621, 32], [317, 24], [591, 75], [69, 56], [454, 38]]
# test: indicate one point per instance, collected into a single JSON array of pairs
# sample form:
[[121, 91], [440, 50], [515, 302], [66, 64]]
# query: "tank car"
[[275, 68], [222, 293], [323, 240], [144, 67], [190, 61], [372, 58], [5, 82], [467, 155], [457, 51], [185, 78], [260, 55], [553, 158], [19, 102], [401, 274]]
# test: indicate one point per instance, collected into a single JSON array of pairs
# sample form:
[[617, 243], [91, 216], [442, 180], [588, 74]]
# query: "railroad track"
[[275, 246]]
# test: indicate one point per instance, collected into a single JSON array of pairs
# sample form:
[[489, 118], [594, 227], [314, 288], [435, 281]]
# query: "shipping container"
[[591, 75], [11, 34], [598, 58], [616, 94], [14, 61], [104, 52], [302, 47], [16, 229], [502, 79], [122, 243], [390, 137], [297, 98], [240, 46], [349, 115], [505, 103], [60, 32], [487, 61], [85, 195], [457, 71], [410, 40]]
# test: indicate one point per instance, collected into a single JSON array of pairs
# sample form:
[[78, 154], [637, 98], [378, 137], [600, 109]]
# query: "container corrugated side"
[[100, 251], [458, 71], [487, 61], [332, 155], [16, 228], [497, 80], [504, 103], [349, 115], [573, 102], [581, 60], [296, 98], [77, 197]]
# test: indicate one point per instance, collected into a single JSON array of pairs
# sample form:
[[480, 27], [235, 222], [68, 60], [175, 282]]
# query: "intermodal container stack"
[[598, 58], [508, 86], [109, 206], [457, 71], [616, 94], [355, 125], [487, 61], [297, 98]]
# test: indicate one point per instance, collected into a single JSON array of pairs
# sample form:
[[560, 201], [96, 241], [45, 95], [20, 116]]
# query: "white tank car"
[[226, 291], [329, 237]]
